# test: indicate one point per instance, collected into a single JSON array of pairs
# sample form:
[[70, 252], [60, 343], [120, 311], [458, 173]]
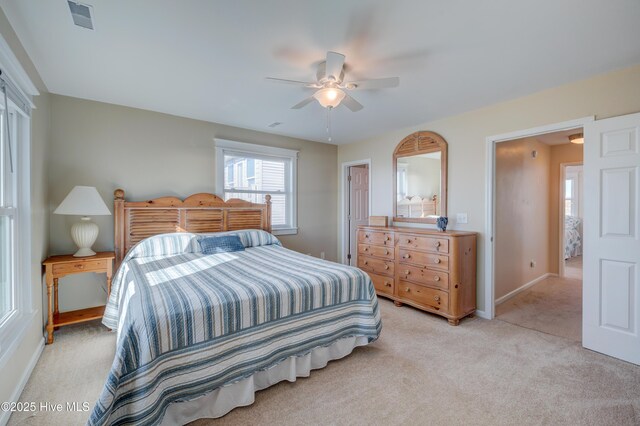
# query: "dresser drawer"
[[382, 284], [377, 266], [84, 266], [432, 244], [425, 276], [423, 295], [379, 238], [424, 260], [377, 251]]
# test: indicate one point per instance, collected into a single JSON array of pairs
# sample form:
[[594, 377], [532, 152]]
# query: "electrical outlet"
[[532, 264], [461, 218], [321, 255]]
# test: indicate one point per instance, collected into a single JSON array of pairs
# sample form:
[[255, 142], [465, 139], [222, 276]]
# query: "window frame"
[[229, 147], [13, 325]]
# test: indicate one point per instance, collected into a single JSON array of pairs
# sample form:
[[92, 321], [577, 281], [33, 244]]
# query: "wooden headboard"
[[137, 220]]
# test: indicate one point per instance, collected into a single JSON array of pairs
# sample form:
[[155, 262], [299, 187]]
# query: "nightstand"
[[60, 266]]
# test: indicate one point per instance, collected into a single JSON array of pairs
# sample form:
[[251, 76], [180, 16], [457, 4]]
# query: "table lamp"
[[83, 201]]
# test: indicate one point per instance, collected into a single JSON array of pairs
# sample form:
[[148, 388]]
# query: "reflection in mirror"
[[418, 186]]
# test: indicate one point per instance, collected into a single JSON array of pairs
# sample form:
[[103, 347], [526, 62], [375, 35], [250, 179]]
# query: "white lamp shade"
[[83, 201]]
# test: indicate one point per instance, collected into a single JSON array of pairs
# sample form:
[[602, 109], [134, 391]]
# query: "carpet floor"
[[573, 268], [553, 306], [420, 371]]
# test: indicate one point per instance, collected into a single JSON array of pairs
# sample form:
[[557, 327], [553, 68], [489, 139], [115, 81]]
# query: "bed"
[[198, 334], [572, 237]]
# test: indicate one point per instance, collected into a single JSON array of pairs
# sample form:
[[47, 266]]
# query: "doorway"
[[532, 235], [356, 205], [572, 219]]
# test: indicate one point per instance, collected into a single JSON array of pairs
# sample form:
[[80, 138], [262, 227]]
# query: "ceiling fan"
[[331, 89]]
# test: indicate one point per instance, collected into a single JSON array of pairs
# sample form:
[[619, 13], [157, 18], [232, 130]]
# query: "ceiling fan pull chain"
[[329, 123]]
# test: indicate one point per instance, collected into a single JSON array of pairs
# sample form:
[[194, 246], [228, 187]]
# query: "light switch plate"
[[461, 218]]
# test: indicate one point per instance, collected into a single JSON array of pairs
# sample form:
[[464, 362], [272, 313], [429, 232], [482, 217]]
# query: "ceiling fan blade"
[[334, 64], [351, 103], [374, 83], [303, 103], [294, 82]]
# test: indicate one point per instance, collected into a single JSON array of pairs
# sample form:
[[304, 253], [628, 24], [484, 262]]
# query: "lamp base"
[[84, 252], [84, 234]]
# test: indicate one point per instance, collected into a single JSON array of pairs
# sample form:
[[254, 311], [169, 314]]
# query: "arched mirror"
[[420, 178]]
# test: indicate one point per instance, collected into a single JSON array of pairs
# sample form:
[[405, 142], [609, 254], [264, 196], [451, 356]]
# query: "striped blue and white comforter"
[[189, 323]]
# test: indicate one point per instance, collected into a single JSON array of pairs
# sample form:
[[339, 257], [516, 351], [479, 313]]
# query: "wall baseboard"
[[4, 415], [524, 287]]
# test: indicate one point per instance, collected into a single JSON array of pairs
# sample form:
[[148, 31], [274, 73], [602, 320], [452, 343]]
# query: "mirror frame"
[[417, 143]]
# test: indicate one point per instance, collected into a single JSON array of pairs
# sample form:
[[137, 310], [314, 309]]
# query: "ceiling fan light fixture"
[[577, 138], [329, 97]]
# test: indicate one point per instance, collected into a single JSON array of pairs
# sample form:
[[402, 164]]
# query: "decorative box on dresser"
[[428, 269]]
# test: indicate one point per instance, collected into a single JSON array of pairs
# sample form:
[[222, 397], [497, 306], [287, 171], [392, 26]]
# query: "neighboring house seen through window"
[[250, 172]]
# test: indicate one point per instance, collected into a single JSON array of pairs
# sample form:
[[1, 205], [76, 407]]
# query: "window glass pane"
[[6, 266], [568, 189], [567, 207], [265, 174], [7, 176]]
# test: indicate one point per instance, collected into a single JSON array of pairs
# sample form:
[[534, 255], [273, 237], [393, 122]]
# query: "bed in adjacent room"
[[205, 319], [572, 237]]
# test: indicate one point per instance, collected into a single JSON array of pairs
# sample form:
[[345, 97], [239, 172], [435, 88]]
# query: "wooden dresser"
[[430, 270]]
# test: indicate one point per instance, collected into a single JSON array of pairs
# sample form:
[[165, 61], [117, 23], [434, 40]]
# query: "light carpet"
[[553, 306], [420, 371], [573, 268]]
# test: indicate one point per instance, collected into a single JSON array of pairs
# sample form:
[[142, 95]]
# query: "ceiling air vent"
[[81, 14]]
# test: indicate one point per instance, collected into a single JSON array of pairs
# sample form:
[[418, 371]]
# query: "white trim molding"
[[491, 141], [524, 287], [228, 146], [18, 76], [343, 203]]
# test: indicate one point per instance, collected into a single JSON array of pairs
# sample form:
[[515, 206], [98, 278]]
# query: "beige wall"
[[608, 95], [13, 369], [565, 153], [522, 213], [151, 154]]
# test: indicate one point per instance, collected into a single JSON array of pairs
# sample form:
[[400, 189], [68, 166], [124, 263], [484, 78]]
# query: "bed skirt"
[[239, 394]]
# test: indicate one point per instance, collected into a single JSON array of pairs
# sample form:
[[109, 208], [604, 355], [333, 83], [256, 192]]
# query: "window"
[[569, 205], [15, 261], [250, 172], [8, 212]]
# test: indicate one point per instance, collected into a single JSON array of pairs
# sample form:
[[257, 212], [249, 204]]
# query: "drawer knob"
[[407, 272], [406, 256], [366, 249], [437, 260], [408, 241], [366, 235], [386, 266], [386, 252], [407, 289], [436, 298], [388, 238], [79, 266], [366, 262], [437, 243], [436, 278], [387, 284]]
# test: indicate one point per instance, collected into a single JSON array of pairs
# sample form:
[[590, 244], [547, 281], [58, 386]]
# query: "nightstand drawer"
[[81, 266]]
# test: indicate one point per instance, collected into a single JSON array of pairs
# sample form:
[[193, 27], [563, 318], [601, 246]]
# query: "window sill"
[[284, 231]]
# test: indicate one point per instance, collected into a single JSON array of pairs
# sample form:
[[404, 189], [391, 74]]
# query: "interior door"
[[611, 294], [358, 206]]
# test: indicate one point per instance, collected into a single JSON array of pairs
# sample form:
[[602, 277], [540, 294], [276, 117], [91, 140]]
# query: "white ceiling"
[[208, 59]]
